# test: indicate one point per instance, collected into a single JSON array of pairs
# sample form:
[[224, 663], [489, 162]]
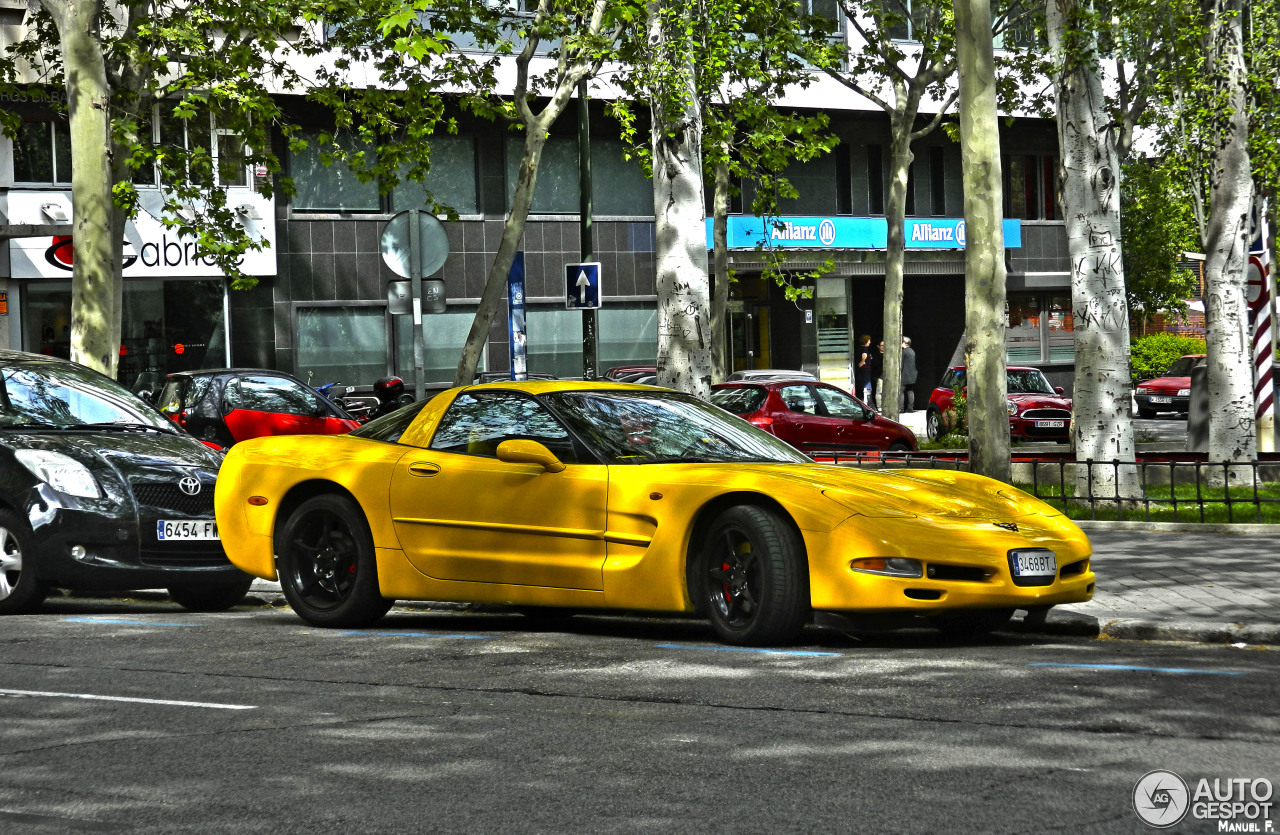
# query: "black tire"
[[756, 579], [1146, 414], [20, 587], [211, 597], [972, 623], [326, 563], [933, 424], [898, 446]]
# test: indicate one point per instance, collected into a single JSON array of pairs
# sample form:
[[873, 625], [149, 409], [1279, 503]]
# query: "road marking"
[[1176, 670], [129, 622], [97, 698], [799, 652], [366, 634]]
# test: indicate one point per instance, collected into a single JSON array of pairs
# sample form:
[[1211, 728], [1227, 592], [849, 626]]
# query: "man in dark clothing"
[[863, 381], [908, 376]]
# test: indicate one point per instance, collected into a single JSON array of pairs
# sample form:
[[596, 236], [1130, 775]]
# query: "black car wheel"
[[20, 590], [1146, 414], [899, 446], [211, 597], [326, 564], [972, 623], [933, 424], [757, 583]]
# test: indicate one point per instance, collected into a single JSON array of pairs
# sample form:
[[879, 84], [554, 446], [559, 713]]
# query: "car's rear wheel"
[[20, 588], [326, 563], [211, 597], [757, 582], [972, 623], [933, 424]]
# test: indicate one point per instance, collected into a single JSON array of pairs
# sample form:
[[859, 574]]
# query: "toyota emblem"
[[189, 485]]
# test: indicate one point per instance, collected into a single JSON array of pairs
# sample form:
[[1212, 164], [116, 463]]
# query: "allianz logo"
[[927, 233], [822, 232]]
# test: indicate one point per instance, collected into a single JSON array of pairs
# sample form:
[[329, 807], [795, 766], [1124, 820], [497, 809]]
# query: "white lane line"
[[96, 698]]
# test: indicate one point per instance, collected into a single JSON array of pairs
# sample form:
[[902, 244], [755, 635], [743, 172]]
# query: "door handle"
[[424, 468]]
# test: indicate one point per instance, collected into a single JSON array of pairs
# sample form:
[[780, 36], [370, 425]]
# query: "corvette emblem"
[[1008, 526], [189, 485]]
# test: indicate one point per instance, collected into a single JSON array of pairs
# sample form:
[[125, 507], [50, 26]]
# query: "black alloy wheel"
[[20, 589], [757, 580], [933, 424], [326, 564]]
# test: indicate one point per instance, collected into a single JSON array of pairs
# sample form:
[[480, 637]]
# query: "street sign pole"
[[415, 277], [590, 335]]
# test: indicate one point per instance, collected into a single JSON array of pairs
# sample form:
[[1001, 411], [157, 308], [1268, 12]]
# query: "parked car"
[[99, 491], [629, 373], [1038, 411], [224, 406], [1171, 391], [770, 374], [812, 416], [563, 496]]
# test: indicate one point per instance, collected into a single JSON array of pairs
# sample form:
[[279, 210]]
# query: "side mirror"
[[523, 451], [1059, 389]]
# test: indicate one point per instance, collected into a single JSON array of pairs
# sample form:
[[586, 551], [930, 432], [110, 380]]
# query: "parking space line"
[[366, 634], [1133, 668], [130, 622], [797, 652], [99, 698]]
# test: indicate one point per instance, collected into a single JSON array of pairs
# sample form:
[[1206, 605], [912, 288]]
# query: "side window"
[[841, 405], [476, 423], [799, 399], [274, 394]]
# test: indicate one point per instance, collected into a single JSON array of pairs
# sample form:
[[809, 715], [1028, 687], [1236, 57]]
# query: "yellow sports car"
[[569, 496]]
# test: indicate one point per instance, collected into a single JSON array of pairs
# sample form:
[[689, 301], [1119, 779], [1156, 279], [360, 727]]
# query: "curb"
[[1237, 528], [1138, 629]]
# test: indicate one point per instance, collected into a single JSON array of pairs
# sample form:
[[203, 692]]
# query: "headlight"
[[1013, 409], [892, 566], [61, 472], [1184, 392], [1143, 390]]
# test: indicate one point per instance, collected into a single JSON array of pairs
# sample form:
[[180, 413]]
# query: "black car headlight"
[[61, 472]]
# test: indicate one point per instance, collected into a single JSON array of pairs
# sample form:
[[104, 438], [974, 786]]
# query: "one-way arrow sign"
[[582, 286]]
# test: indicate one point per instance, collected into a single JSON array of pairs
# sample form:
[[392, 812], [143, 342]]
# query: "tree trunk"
[[684, 327], [720, 295], [900, 158], [95, 283], [1102, 424], [984, 296], [1232, 427]]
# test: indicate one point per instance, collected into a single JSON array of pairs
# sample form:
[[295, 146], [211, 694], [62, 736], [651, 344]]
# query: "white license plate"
[[1161, 399], [1034, 564], [186, 529], [1050, 424]]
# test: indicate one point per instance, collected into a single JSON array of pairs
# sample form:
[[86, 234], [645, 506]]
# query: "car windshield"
[[1028, 381], [652, 427], [739, 400], [66, 396], [1182, 367]]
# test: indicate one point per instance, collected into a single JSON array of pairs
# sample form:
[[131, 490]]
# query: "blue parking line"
[[365, 634], [129, 622], [797, 652], [1130, 667]]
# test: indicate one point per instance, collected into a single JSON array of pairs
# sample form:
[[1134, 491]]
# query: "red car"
[[1037, 410], [812, 416], [1170, 392], [223, 406]]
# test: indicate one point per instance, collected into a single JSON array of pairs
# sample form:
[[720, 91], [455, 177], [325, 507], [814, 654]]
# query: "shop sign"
[[805, 232], [150, 249]]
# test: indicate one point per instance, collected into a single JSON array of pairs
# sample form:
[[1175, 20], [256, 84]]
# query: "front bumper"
[[1175, 404]]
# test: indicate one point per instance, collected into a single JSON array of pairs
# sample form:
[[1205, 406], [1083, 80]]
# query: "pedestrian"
[[909, 375], [863, 381], [877, 373]]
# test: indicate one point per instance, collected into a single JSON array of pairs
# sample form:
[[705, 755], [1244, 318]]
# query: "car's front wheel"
[[326, 564], [211, 597], [757, 581], [933, 424], [20, 589]]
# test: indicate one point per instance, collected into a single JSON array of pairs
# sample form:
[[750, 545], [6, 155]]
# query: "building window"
[[556, 191], [816, 182], [937, 182], [1038, 329], [345, 344], [875, 180], [443, 338], [620, 186], [333, 187], [901, 18], [211, 154], [1029, 187], [42, 152], [451, 180]]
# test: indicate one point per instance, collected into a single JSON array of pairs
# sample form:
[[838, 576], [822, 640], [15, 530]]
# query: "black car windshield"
[[1182, 366], [651, 427], [48, 395], [1028, 382]]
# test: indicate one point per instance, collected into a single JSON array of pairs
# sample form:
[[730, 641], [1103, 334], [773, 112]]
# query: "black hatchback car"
[[98, 491]]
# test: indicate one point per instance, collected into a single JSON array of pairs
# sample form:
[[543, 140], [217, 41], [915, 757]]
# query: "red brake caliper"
[[727, 595]]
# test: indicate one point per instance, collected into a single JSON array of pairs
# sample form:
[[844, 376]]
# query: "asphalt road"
[[128, 717]]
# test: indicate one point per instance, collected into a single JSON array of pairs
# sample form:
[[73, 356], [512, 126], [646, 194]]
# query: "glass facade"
[[1038, 329], [344, 344], [451, 180], [333, 187]]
